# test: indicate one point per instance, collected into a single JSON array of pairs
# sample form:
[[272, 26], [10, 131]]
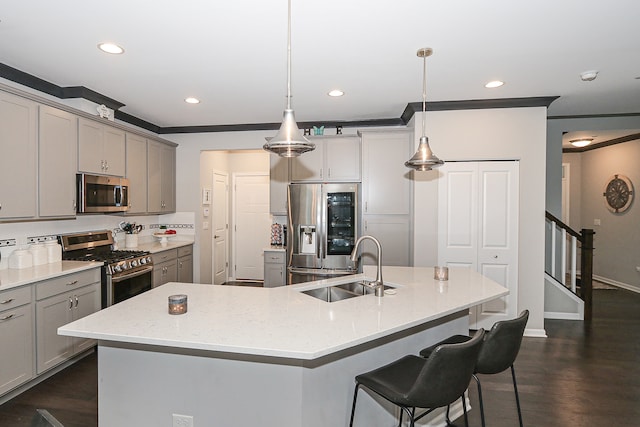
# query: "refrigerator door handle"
[[322, 239]]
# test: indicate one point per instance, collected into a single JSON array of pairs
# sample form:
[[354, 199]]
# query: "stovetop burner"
[[108, 256]]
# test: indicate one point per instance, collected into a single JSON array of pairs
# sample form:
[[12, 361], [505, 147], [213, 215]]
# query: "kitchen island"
[[268, 357]]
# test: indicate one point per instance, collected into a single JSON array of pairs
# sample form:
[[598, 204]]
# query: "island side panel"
[[144, 386]]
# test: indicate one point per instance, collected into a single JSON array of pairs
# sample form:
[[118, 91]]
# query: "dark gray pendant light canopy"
[[289, 141], [424, 159]]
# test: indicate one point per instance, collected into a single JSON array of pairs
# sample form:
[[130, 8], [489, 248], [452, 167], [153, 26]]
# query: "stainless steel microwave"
[[101, 194]]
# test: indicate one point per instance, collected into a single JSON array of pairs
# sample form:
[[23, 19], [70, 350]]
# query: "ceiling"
[[232, 55]]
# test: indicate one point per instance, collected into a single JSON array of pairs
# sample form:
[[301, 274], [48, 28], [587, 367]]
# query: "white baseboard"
[[616, 283], [535, 333], [562, 316]]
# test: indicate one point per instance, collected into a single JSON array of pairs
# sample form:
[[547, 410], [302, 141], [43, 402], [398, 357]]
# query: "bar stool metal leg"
[[515, 388]]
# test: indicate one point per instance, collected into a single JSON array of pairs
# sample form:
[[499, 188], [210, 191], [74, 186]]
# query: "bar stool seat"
[[498, 353], [415, 382]]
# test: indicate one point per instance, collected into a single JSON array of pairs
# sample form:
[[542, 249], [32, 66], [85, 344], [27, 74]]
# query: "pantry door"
[[478, 223], [220, 228], [252, 225]]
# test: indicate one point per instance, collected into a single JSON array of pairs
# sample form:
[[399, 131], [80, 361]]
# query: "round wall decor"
[[618, 193]]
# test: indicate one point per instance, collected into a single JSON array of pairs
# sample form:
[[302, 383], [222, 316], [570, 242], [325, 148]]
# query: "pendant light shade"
[[424, 159], [289, 141]]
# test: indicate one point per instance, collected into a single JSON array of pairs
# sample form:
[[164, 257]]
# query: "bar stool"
[[499, 351], [415, 382]]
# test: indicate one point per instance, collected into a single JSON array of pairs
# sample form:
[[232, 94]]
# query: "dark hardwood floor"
[[583, 375]]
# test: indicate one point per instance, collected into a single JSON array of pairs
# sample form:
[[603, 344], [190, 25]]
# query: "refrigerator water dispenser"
[[307, 239]]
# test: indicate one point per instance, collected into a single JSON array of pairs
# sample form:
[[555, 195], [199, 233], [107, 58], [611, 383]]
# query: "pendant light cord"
[[424, 93], [289, 58]]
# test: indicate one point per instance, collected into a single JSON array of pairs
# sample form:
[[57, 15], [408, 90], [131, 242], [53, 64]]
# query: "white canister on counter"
[[54, 251], [20, 258], [39, 254]]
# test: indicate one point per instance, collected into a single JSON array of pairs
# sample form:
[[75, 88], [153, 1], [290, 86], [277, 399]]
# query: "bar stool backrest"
[[501, 345], [446, 374]]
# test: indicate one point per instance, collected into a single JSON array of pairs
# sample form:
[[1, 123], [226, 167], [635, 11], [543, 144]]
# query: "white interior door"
[[252, 225], [220, 247], [478, 216]]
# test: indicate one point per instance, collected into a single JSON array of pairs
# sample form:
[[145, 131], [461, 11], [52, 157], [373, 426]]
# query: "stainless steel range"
[[125, 273]]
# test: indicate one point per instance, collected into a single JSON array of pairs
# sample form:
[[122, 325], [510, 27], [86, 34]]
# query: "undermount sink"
[[342, 291]]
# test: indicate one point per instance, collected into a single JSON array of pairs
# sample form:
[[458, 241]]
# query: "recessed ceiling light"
[[111, 48], [493, 84], [192, 100], [336, 92], [582, 142]]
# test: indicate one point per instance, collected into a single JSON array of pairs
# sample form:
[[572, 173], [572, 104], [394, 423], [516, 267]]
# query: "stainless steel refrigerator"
[[323, 226]]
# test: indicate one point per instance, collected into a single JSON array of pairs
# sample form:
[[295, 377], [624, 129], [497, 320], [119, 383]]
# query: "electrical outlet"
[[8, 242], [638, 268], [182, 420], [596, 221]]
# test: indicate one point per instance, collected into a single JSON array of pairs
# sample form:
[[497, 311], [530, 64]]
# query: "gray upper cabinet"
[[137, 173], [278, 182], [386, 181], [18, 161], [161, 173], [335, 159], [101, 148], [58, 136]]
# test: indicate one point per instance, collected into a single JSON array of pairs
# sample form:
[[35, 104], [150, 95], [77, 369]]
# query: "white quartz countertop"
[[156, 246], [12, 277], [283, 322]]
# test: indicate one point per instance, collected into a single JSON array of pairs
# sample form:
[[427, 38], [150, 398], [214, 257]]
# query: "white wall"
[[492, 134]]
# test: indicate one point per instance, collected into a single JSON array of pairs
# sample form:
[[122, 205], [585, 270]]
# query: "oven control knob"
[[149, 259], [134, 263], [143, 261], [117, 268], [125, 266]]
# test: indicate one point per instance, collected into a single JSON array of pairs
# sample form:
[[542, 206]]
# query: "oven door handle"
[[134, 274]]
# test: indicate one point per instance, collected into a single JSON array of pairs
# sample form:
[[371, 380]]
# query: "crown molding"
[[44, 86]]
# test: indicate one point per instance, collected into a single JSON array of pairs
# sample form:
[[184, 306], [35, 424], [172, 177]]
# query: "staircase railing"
[[562, 256]]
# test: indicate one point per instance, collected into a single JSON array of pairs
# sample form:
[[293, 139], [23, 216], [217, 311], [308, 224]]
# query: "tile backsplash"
[[17, 234]]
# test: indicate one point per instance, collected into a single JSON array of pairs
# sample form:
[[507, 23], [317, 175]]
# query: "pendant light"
[[289, 141], [424, 159]]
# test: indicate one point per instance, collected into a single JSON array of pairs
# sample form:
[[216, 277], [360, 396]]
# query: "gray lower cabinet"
[[58, 302], [185, 264], [274, 268], [17, 338], [165, 267]]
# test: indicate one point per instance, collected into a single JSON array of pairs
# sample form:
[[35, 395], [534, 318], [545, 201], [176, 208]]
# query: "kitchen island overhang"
[[290, 357]]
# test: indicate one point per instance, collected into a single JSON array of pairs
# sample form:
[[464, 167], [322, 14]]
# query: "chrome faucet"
[[378, 284]]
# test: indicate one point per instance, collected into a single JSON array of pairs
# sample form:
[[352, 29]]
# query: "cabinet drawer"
[[185, 250], [273, 257], [66, 283], [15, 298], [164, 256]]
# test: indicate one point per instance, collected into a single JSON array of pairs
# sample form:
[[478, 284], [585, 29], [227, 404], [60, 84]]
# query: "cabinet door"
[[168, 161], [273, 275], [16, 336], [165, 272], [114, 151], [51, 313], [394, 235], [309, 166], [90, 146], [278, 182], [18, 158], [342, 157], [154, 177], [86, 301], [386, 182], [185, 269], [137, 173], [58, 139]]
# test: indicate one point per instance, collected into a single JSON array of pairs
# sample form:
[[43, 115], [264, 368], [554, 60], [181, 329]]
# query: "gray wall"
[[616, 254]]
